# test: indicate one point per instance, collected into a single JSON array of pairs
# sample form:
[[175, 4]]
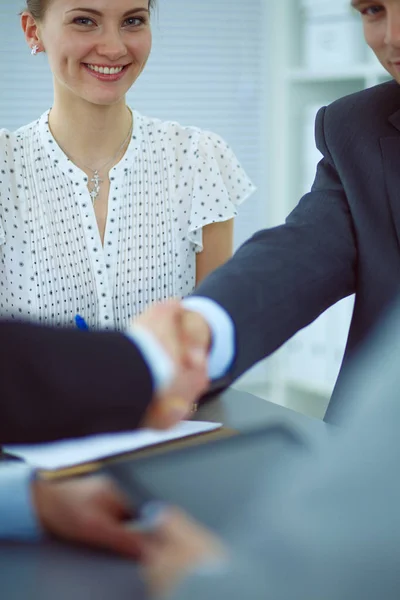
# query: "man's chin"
[[396, 76], [393, 71]]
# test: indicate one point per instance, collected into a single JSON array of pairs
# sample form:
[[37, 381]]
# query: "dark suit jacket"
[[328, 527], [63, 383], [342, 238]]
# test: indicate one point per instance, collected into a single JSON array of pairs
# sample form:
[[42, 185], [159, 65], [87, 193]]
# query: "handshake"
[[185, 338], [92, 511]]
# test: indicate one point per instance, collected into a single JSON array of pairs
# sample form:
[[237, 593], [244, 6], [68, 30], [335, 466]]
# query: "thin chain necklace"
[[96, 181]]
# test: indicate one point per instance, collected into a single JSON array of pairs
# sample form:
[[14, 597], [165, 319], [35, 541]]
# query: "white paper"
[[67, 453]]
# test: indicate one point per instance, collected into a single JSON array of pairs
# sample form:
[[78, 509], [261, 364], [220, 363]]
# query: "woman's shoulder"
[[9, 137], [176, 135], [8, 149], [5, 136]]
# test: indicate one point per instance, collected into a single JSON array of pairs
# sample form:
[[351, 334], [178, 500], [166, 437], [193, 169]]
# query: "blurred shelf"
[[297, 92], [349, 73]]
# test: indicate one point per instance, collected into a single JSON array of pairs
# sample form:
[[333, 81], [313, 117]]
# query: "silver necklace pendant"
[[95, 191]]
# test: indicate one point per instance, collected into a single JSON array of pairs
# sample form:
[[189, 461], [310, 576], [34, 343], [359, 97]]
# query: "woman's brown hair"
[[37, 8]]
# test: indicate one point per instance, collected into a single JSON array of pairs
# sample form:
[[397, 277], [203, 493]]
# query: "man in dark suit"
[[344, 235], [330, 530], [62, 383]]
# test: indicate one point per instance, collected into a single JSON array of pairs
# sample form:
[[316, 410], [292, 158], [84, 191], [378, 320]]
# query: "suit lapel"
[[391, 162]]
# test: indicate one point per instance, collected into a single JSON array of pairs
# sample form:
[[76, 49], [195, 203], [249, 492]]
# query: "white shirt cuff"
[[222, 331], [17, 515], [157, 359]]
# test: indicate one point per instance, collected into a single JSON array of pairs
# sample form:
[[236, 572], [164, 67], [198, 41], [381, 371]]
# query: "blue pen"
[[81, 323]]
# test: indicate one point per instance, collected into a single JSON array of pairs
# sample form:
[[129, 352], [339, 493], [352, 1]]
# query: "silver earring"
[[34, 50]]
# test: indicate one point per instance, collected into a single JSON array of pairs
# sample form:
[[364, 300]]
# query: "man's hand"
[[185, 336], [173, 549], [93, 512], [85, 511]]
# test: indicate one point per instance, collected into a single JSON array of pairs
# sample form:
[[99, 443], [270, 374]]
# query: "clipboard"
[[155, 450]]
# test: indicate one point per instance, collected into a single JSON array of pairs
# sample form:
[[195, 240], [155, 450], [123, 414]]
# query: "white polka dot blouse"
[[172, 181]]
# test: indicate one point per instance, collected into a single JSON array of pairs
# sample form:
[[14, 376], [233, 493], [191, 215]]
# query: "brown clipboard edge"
[[93, 467]]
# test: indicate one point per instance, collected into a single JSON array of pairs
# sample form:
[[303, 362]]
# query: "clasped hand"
[[93, 512], [185, 337]]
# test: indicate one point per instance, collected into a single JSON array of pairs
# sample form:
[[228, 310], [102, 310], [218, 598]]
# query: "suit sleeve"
[[329, 527], [283, 278], [66, 383]]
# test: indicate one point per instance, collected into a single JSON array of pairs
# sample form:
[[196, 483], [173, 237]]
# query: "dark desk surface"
[[52, 571], [240, 410]]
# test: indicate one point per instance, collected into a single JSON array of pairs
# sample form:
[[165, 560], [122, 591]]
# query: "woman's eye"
[[83, 21], [133, 22]]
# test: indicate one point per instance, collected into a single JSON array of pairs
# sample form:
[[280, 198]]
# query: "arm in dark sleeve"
[[283, 278], [67, 383]]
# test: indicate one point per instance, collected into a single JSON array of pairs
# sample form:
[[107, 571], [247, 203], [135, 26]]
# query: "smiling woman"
[[109, 210]]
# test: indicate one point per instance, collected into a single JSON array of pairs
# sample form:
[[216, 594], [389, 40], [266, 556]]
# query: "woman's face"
[[96, 48]]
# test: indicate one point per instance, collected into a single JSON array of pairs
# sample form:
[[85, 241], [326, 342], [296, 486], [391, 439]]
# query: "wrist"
[[156, 357], [42, 498], [222, 334]]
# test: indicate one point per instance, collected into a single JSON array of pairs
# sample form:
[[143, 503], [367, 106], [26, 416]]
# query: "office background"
[[255, 72]]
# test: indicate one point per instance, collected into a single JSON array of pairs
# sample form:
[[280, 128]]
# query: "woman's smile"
[[106, 73]]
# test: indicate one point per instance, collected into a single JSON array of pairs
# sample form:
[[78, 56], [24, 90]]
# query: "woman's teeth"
[[105, 70]]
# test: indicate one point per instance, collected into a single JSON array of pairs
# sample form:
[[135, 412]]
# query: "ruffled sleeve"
[[4, 137], [2, 232], [220, 184]]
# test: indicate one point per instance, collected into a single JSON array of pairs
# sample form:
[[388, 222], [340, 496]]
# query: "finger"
[[196, 329], [114, 501], [178, 403], [155, 526], [173, 410], [150, 517], [116, 536], [161, 521], [196, 338], [176, 523], [167, 411], [103, 522], [136, 538]]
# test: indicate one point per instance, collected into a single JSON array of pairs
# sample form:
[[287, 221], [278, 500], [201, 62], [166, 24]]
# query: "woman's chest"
[[54, 265]]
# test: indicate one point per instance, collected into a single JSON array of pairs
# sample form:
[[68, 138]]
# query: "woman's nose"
[[112, 46]]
